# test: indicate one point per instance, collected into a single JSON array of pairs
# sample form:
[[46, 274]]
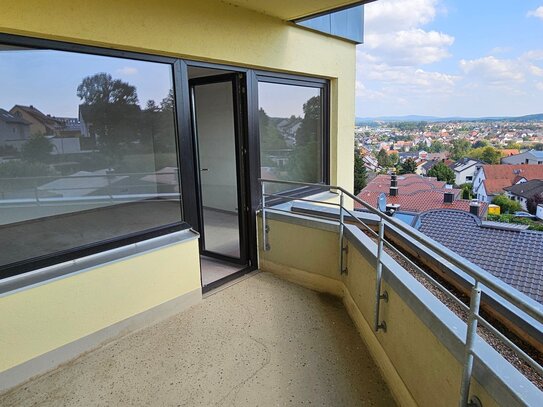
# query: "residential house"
[[524, 191], [14, 130], [465, 169], [491, 179], [412, 194], [40, 123], [528, 157]]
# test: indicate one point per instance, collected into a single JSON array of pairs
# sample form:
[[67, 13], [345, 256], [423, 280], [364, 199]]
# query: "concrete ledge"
[[53, 359]]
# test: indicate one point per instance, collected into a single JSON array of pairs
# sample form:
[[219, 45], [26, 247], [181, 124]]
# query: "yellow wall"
[[43, 318], [418, 368], [207, 30]]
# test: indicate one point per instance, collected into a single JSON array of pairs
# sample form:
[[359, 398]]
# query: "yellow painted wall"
[[208, 30], [418, 368], [43, 318]]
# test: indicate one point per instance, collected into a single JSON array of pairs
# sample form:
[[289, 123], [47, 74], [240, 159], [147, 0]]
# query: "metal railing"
[[474, 317], [88, 188]]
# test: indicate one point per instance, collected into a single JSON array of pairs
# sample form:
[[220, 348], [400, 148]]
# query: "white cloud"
[[395, 15], [538, 12], [394, 75], [127, 70], [410, 47], [493, 70]]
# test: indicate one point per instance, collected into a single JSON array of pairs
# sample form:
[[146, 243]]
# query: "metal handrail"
[[478, 277], [536, 313]]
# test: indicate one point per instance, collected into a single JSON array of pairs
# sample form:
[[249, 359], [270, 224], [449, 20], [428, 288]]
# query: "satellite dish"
[[382, 202]]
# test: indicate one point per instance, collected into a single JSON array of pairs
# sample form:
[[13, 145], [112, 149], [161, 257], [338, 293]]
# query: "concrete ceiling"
[[293, 9]]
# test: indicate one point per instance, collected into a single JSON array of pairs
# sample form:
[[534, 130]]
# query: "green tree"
[[360, 175], [393, 159], [488, 155], [382, 158], [37, 149], [110, 106], [480, 143], [506, 205], [466, 191], [304, 163], [538, 146], [436, 147], [409, 166], [460, 148], [442, 173]]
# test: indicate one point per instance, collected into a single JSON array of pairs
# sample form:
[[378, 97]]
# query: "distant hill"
[[434, 119]]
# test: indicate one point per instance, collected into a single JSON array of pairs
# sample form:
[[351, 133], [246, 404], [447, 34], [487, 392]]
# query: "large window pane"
[[291, 132], [87, 150]]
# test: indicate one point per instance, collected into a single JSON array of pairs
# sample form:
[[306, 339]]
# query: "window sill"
[[61, 270]]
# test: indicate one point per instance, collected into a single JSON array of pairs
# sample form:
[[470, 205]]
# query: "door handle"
[[204, 169]]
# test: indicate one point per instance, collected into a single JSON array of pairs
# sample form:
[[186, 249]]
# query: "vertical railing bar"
[[264, 221], [378, 276], [471, 334], [341, 232]]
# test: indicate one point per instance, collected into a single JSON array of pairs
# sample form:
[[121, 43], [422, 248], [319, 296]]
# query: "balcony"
[[262, 341], [334, 317]]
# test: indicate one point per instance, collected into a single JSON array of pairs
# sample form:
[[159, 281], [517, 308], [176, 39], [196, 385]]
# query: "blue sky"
[[48, 79], [448, 58]]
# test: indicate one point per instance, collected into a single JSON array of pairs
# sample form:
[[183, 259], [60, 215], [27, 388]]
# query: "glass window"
[[87, 150], [291, 132]]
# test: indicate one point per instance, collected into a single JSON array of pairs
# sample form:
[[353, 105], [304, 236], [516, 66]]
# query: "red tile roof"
[[421, 202], [415, 194], [499, 176]]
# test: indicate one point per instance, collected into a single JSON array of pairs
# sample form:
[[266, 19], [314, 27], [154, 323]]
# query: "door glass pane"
[[87, 150], [215, 129], [291, 128]]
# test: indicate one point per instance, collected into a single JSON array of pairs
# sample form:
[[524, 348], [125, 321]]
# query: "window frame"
[[62, 256], [302, 81], [184, 144]]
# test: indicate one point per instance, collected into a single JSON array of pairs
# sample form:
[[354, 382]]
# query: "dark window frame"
[[184, 144], [302, 81], [33, 263]]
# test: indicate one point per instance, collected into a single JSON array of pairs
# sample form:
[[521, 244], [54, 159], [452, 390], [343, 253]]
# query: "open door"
[[221, 185]]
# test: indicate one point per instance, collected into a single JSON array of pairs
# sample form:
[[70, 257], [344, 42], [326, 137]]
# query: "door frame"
[[243, 193]]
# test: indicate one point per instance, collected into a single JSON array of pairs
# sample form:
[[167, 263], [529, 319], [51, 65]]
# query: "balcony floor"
[[262, 341]]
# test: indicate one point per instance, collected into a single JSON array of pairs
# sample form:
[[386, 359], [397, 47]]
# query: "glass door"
[[214, 113]]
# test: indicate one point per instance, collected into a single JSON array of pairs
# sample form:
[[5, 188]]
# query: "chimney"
[[393, 191], [448, 197], [474, 207], [391, 208]]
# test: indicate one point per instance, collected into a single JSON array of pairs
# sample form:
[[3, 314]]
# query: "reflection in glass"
[[290, 120], [82, 158]]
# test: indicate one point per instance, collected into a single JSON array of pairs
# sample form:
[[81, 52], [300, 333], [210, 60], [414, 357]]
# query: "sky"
[[445, 58], [48, 80]]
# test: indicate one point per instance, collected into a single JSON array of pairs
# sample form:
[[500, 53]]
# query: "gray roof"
[[11, 118], [515, 257], [464, 163], [526, 189]]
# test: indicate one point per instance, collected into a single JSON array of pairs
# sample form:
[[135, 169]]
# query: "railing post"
[[341, 231], [378, 277], [471, 334], [265, 230]]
